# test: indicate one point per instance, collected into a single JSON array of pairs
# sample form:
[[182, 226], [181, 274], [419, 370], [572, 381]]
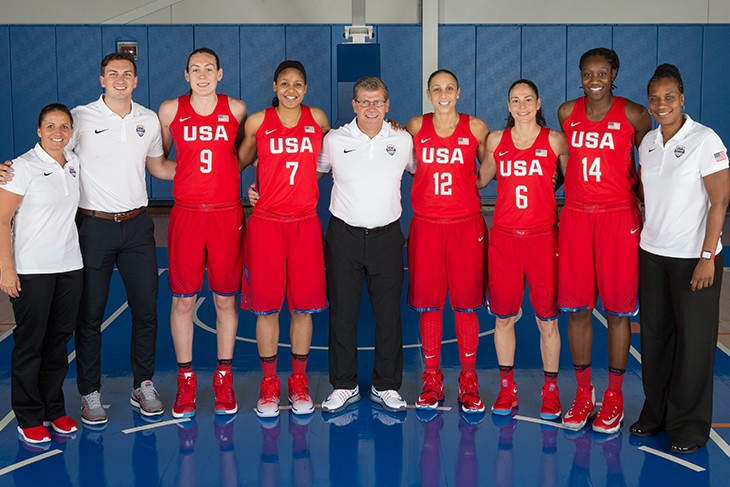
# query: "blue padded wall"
[[715, 73], [457, 53], [6, 98]]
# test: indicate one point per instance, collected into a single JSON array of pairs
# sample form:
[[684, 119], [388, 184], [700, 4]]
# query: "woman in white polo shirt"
[[40, 269], [684, 170]]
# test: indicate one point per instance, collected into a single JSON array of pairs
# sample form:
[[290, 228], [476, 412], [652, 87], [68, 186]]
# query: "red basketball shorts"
[[447, 257], [196, 237], [599, 254], [519, 256], [285, 258]]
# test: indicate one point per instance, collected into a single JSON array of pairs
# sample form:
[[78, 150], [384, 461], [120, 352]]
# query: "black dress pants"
[[131, 246], [678, 342], [45, 315], [375, 255]]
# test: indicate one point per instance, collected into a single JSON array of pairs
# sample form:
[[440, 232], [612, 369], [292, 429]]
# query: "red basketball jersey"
[[444, 185], [207, 164], [286, 176], [601, 169], [525, 194]]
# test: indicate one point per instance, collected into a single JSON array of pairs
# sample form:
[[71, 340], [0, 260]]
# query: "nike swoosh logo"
[[470, 354], [502, 153], [183, 119], [269, 131], [481, 238], [423, 141], [613, 422], [97, 131], [47, 173], [430, 356], [573, 124], [241, 227], [652, 149], [634, 231], [348, 150]]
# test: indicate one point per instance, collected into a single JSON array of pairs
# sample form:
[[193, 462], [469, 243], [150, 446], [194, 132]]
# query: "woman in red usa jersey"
[[599, 231], [284, 253], [206, 223], [524, 244], [447, 240]]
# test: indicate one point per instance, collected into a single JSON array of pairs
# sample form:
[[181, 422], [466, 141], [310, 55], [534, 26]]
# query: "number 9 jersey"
[[207, 164]]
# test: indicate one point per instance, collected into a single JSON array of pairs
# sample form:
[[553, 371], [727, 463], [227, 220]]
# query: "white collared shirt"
[[367, 173], [44, 237], [674, 192], [112, 152]]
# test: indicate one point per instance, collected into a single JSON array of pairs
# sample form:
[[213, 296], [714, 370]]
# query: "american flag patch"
[[308, 129], [614, 125], [540, 153], [463, 141], [222, 118], [720, 156]]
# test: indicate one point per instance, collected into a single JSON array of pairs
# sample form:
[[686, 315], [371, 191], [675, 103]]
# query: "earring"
[[682, 107]]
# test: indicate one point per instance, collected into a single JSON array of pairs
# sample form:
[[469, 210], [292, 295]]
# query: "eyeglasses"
[[367, 103]]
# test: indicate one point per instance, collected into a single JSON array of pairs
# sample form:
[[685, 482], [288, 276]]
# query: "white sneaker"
[[340, 399], [390, 400]]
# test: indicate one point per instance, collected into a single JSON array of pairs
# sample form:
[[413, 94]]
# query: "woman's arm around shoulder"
[[247, 148], [166, 114], [488, 167], [9, 281], [321, 119], [239, 110], [639, 118], [564, 111], [480, 131]]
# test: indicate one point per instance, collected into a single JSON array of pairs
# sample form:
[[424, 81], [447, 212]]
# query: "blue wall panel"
[[715, 73], [457, 53], [113, 33], [310, 45], [169, 47], [636, 46], [7, 148], [544, 55], [33, 79], [224, 40], [582, 38], [681, 45], [78, 82]]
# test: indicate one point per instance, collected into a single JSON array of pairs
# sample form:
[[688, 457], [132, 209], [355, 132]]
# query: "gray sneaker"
[[92, 411], [145, 397]]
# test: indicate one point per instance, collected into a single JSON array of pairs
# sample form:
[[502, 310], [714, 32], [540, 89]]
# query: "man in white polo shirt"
[[364, 241], [115, 139]]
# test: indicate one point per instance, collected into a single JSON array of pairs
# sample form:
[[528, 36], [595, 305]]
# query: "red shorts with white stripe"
[[519, 256], [447, 256], [599, 254], [285, 257], [199, 234]]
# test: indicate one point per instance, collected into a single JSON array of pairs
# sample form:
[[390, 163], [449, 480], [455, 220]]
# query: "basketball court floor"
[[364, 445]]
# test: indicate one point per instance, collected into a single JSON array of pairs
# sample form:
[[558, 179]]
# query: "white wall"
[[378, 11]]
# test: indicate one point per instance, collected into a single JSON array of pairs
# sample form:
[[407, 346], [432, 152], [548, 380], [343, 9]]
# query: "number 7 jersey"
[[286, 175], [601, 171], [207, 164]]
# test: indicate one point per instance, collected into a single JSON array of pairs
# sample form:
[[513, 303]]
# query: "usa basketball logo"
[[679, 151], [72, 171], [140, 130], [390, 149]]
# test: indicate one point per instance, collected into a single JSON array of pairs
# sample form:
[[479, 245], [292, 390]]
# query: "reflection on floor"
[[363, 445]]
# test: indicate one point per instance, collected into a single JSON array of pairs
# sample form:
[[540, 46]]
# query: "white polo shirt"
[[367, 173], [44, 237], [112, 152], [674, 193]]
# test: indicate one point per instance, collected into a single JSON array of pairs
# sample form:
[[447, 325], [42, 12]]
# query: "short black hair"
[[667, 71], [54, 107], [539, 116], [117, 56], [607, 54], [204, 50]]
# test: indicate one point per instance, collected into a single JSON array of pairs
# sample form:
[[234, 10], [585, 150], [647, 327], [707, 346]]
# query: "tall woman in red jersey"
[[447, 239], [524, 245], [206, 223], [599, 231], [284, 253]]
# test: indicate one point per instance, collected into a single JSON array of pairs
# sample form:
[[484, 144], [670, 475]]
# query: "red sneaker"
[[184, 406], [432, 382], [612, 413], [506, 399], [63, 425], [36, 434], [469, 393], [225, 398], [301, 402], [268, 403], [583, 408], [550, 402]]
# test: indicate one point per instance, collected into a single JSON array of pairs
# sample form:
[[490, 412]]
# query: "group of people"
[[673, 264]]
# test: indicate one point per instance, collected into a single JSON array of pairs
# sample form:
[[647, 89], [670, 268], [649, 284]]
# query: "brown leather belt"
[[117, 217]]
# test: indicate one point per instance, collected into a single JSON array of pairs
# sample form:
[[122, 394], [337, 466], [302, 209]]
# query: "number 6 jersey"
[[601, 172], [207, 164], [525, 194]]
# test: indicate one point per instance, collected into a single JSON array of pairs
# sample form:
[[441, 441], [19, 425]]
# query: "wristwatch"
[[707, 255]]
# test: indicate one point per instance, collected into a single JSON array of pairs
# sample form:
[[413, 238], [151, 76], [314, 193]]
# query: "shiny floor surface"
[[364, 445]]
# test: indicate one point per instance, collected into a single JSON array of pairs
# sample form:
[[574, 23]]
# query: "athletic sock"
[[550, 377], [507, 372], [299, 364], [467, 336], [431, 326], [268, 366], [183, 367], [615, 379], [225, 365], [583, 375]]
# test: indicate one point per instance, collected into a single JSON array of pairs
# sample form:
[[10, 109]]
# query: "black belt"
[[117, 217], [371, 231]]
